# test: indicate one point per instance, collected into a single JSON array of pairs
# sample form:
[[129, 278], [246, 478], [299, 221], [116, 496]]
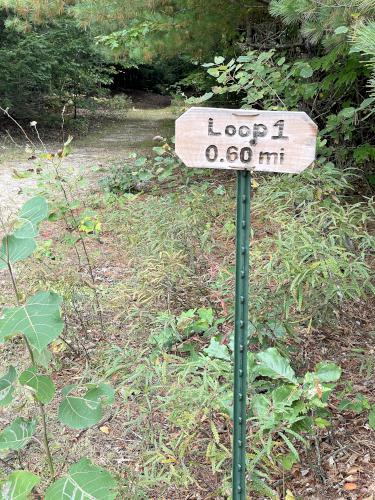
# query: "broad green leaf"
[[42, 385], [328, 372], [285, 395], [6, 386], [371, 418], [20, 245], [206, 314], [81, 412], [219, 60], [277, 328], [15, 249], [272, 364], [39, 320], [84, 481], [31, 214], [341, 29], [306, 71], [347, 112], [18, 485], [359, 404], [217, 350], [17, 434]]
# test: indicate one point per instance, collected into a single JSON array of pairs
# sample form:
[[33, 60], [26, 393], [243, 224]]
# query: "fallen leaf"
[[289, 495], [350, 486], [351, 479], [104, 429], [354, 470], [254, 184], [169, 460], [57, 346]]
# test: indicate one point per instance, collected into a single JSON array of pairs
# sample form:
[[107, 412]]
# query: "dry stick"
[[39, 138], [6, 464], [63, 124], [6, 112], [38, 403]]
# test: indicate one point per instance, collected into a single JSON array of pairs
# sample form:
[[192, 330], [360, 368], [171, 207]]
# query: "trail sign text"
[[271, 141]]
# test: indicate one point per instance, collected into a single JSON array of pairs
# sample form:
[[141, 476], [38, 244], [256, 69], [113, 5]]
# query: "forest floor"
[[159, 254]]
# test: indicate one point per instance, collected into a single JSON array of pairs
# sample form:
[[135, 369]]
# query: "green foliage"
[[84, 480], [326, 23], [39, 322], [176, 329], [285, 409], [328, 372], [139, 172], [57, 60], [190, 28], [18, 485]]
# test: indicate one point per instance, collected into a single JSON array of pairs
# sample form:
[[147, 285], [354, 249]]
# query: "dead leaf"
[[354, 470], [104, 429], [350, 486], [289, 495]]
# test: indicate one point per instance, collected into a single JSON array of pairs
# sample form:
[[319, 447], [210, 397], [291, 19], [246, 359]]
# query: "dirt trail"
[[111, 142]]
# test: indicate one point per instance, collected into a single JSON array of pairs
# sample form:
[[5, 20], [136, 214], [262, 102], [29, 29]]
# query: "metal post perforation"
[[240, 334]]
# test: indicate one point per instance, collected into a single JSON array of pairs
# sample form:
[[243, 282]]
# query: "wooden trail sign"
[[242, 139]]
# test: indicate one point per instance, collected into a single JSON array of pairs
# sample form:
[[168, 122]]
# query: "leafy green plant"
[[139, 172], [179, 329], [80, 223], [39, 323]]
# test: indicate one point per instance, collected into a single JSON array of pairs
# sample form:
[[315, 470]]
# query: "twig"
[[7, 464], [6, 113]]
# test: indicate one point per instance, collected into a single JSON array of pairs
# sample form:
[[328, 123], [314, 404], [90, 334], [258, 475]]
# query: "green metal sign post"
[[244, 140], [240, 334]]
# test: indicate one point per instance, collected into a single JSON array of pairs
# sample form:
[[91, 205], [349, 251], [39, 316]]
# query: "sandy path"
[[111, 143]]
